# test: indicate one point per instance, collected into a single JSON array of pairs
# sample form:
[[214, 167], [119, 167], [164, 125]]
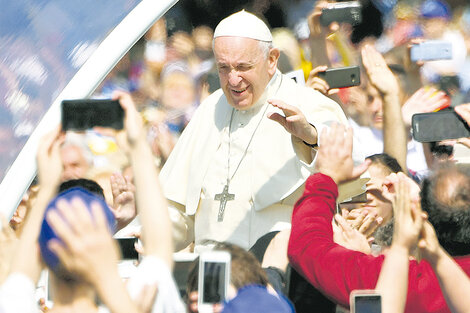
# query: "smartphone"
[[342, 76], [214, 278], [82, 114], [431, 50], [437, 126], [348, 12], [365, 301], [183, 263], [127, 248]]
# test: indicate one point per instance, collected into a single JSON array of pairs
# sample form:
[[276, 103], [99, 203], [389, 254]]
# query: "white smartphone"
[[365, 301], [214, 278]]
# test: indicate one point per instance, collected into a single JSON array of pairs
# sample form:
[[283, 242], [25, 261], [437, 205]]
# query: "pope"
[[241, 163]]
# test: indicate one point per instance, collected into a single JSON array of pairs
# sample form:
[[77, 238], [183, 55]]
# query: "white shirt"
[[17, 293], [371, 142]]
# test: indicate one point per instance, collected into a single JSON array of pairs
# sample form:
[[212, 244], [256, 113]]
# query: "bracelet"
[[310, 145]]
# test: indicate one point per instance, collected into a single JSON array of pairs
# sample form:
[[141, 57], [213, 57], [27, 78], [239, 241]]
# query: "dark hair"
[[86, 184], [386, 161], [371, 24], [245, 268], [384, 234], [445, 196]]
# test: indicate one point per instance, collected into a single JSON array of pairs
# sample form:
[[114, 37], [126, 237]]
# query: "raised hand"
[[319, 84], [294, 121], [409, 218], [133, 124], [347, 236], [378, 72], [390, 186], [124, 199], [48, 158], [422, 101], [363, 221], [88, 250], [428, 244], [316, 29], [334, 157]]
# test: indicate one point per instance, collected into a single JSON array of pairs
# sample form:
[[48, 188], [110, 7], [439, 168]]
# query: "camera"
[[344, 12]]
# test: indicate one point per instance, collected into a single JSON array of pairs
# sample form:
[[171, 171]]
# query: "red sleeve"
[[332, 269]]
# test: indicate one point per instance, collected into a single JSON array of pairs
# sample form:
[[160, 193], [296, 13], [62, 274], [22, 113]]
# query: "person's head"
[[245, 58], [434, 16], [178, 87], [87, 184], [382, 165], [76, 158], [374, 106], [445, 196], [88, 192]]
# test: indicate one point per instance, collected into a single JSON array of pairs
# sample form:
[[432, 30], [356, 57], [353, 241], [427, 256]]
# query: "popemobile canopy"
[[54, 50]]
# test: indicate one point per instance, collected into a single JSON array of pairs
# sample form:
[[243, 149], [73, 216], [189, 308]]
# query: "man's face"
[[244, 71], [434, 28], [375, 107], [74, 162], [376, 202]]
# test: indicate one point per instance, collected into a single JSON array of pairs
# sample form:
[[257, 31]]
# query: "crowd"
[[317, 193]]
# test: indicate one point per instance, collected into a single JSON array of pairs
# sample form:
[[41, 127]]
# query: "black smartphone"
[[437, 126], [348, 12], [431, 50], [126, 245], [82, 114], [367, 303], [342, 76]]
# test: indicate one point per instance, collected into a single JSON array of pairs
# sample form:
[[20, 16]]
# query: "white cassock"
[[266, 176]]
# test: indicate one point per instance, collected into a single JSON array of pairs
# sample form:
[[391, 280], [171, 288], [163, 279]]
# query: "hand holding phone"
[[344, 12], [83, 114], [341, 77], [214, 279], [127, 248], [431, 50]]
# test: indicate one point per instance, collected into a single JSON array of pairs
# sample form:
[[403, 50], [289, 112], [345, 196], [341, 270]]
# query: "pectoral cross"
[[223, 197]]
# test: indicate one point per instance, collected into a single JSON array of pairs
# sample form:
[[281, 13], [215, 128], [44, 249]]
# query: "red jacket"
[[335, 270]]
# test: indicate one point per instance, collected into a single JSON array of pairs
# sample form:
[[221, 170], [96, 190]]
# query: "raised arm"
[[312, 250], [87, 250], [151, 204], [382, 78], [26, 256], [455, 284], [393, 279]]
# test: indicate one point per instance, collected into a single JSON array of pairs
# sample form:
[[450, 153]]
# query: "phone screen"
[[437, 126], [367, 304], [127, 248], [214, 282]]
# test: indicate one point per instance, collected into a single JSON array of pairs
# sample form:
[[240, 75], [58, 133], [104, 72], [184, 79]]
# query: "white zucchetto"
[[243, 24]]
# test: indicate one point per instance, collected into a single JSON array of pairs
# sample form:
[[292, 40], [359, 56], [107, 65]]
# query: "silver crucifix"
[[223, 197]]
